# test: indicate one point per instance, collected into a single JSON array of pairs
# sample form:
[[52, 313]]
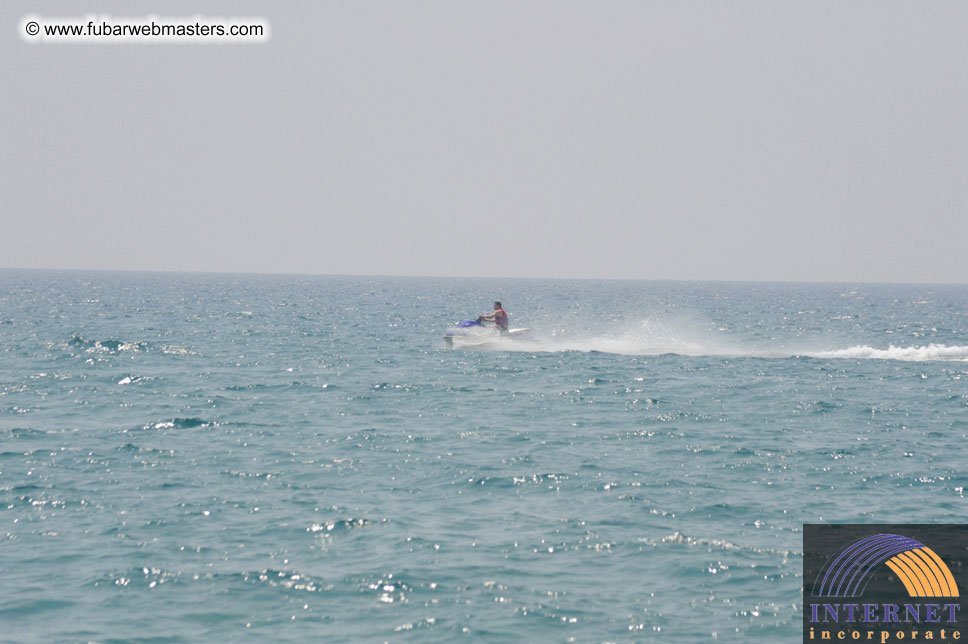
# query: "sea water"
[[289, 459]]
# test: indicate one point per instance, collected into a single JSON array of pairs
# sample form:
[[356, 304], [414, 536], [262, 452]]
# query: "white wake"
[[656, 337]]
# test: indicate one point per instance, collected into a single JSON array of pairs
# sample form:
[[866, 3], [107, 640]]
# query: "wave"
[[178, 423], [78, 342], [927, 353], [105, 346], [653, 338]]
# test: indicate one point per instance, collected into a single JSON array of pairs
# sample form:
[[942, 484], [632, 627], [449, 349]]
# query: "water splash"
[[926, 353], [653, 337]]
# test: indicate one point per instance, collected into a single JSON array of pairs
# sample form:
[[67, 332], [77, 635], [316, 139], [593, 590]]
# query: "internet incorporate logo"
[[909, 592], [918, 567]]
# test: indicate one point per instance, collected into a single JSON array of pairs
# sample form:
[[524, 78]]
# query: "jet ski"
[[471, 333]]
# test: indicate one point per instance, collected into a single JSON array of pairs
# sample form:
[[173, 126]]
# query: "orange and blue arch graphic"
[[918, 567]]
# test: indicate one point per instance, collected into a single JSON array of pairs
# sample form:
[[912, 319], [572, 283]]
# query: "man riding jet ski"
[[499, 318], [474, 332]]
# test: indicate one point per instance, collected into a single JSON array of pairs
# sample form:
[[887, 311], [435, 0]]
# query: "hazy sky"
[[686, 140]]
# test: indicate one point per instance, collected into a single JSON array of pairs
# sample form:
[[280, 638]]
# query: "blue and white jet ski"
[[471, 333]]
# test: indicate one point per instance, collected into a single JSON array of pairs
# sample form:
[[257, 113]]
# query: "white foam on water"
[[649, 337], [654, 337], [909, 354]]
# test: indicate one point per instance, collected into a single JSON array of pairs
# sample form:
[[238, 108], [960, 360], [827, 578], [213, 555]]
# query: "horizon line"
[[468, 277]]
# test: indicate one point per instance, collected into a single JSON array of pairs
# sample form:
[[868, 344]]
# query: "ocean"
[[247, 458]]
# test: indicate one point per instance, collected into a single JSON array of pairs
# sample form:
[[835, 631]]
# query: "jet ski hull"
[[476, 335]]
